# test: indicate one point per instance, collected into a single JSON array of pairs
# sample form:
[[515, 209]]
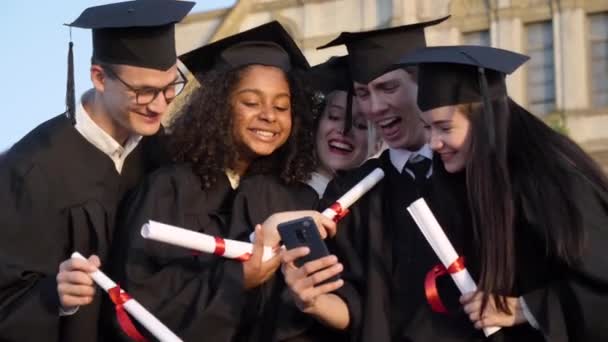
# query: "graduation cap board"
[[268, 44], [451, 75], [138, 33], [373, 53]]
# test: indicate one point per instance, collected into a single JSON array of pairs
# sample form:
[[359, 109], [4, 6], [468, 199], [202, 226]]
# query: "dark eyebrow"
[[260, 93], [336, 106]]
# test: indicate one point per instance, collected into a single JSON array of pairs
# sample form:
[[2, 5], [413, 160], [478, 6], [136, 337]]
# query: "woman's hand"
[[491, 316], [256, 271], [326, 226], [305, 282]]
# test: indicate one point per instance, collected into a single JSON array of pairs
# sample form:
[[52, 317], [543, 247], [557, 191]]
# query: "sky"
[[34, 60]]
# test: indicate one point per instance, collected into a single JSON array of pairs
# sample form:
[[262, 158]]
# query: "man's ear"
[[98, 77]]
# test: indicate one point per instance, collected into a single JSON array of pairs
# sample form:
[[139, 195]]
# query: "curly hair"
[[201, 133]]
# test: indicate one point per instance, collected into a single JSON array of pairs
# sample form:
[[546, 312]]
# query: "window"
[[598, 44], [540, 80], [477, 38]]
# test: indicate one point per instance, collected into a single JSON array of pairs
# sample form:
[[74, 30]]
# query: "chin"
[[453, 167], [147, 130]]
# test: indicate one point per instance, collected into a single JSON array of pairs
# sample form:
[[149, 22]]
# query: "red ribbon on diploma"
[[119, 298], [430, 283], [340, 212], [220, 249]]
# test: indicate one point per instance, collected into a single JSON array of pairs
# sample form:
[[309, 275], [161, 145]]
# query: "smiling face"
[[338, 151], [448, 131], [126, 116], [389, 101], [261, 106]]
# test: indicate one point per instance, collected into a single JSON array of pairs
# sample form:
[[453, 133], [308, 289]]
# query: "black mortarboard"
[[334, 75], [331, 75], [137, 33], [267, 44], [450, 75], [373, 53]]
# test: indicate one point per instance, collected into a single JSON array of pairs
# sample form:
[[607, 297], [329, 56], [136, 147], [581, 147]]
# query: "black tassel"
[[487, 105], [70, 96], [348, 119]]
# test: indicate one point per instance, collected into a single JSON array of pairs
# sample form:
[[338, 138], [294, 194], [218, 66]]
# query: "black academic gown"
[[59, 194], [196, 296], [568, 302], [386, 259], [273, 316]]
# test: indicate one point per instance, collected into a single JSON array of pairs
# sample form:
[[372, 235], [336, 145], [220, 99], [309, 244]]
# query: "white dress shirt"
[[102, 140], [400, 157]]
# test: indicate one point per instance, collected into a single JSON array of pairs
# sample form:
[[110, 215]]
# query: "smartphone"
[[303, 232]]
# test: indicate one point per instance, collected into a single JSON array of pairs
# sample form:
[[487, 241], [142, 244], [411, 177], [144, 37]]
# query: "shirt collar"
[[318, 182], [102, 140], [399, 157]]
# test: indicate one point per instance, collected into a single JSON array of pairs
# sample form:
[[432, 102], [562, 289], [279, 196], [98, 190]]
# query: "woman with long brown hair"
[[536, 204]]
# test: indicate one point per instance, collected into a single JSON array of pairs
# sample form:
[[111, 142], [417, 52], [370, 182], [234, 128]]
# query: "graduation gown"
[[274, 316], [568, 302], [197, 296], [386, 259], [59, 194]]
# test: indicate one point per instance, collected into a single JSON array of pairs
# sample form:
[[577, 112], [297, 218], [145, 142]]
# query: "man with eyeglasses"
[[60, 185]]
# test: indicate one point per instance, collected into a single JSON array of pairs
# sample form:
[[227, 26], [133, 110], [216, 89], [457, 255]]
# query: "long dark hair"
[[527, 169], [201, 134]]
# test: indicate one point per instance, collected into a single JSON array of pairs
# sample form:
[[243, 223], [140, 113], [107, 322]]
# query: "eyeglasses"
[[145, 95]]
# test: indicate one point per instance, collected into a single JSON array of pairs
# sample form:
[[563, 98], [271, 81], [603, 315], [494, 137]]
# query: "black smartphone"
[[303, 232]]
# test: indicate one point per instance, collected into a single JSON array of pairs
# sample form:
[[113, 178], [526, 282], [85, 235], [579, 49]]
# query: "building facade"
[[565, 82]]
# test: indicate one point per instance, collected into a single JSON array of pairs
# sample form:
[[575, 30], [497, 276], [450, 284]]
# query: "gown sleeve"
[[28, 288], [571, 306]]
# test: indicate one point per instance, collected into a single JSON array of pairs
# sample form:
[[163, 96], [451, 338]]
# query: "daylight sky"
[[33, 59]]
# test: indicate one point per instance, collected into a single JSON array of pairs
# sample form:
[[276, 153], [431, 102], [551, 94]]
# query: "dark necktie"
[[419, 166]]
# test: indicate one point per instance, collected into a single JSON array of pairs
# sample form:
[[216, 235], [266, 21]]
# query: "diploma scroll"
[[143, 316], [340, 208], [201, 242], [434, 234]]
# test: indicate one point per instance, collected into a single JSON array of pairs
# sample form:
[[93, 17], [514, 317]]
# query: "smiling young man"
[[384, 256], [62, 183]]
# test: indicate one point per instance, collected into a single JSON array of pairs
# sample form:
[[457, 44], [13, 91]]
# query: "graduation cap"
[[268, 44], [331, 75], [451, 75], [373, 53], [334, 75], [138, 33]]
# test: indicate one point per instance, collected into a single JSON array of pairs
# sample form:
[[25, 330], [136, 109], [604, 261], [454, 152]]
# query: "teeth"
[[265, 134], [340, 145], [387, 122]]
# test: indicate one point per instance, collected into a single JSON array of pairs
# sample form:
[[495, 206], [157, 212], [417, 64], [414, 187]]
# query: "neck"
[[240, 166], [95, 108], [325, 171]]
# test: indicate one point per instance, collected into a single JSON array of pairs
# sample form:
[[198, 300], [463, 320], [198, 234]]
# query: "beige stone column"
[[571, 59]]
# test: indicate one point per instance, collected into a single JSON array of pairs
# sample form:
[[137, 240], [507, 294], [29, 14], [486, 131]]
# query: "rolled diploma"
[[352, 195], [143, 316], [198, 241], [434, 234]]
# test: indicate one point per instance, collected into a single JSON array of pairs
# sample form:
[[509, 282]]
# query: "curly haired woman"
[[247, 118]]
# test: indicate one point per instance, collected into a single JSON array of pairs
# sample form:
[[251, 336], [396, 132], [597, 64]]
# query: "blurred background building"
[[565, 82]]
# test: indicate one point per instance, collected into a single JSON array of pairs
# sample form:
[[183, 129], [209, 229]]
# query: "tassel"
[[488, 110], [348, 119], [70, 96]]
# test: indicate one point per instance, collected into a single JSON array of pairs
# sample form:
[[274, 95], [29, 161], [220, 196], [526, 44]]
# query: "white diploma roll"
[[434, 234], [201, 242], [143, 316], [337, 210]]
